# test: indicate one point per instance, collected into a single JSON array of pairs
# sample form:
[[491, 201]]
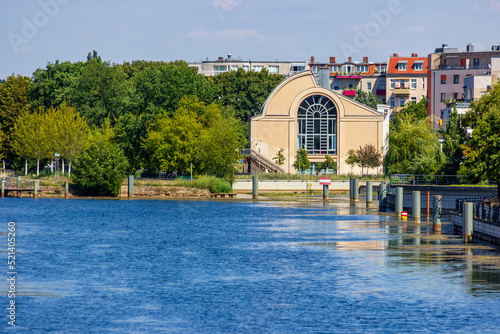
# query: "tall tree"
[[483, 147], [69, 134], [14, 101], [366, 98], [417, 110], [413, 146], [301, 162], [246, 91], [454, 138], [217, 149], [368, 157], [32, 137]]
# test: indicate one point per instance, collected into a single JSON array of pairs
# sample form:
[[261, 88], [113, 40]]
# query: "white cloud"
[[476, 8], [198, 33], [495, 6], [418, 29]]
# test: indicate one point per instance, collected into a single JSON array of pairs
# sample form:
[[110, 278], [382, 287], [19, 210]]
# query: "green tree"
[[329, 163], [100, 92], [352, 159], [368, 157], [31, 137], [69, 133], [217, 149], [366, 98], [454, 139], [161, 88], [412, 143], [171, 143], [246, 91], [101, 169], [14, 101], [482, 148], [279, 159], [302, 162], [417, 110]]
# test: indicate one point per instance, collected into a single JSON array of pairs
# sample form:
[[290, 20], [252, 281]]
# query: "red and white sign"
[[324, 181]]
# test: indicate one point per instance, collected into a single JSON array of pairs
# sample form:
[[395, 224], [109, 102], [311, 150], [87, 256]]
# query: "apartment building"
[[448, 69], [346, 77], [221, 65], [406, 81]]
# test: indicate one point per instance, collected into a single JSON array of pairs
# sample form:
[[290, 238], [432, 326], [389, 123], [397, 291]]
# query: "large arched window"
[[317, 125]]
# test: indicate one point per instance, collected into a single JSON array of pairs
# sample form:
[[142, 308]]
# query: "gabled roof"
[[392, 68]]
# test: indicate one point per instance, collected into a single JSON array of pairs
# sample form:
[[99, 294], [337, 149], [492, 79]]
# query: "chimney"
[[349, 59], [416, 55], [312, 59], [395, 55], [332, 60], [365, 60], [470, 47], [220, 59]]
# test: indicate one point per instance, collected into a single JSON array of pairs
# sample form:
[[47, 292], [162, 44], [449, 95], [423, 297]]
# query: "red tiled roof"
[[392, 67]]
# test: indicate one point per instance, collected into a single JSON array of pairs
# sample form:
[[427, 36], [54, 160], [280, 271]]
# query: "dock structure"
[[223, 195]]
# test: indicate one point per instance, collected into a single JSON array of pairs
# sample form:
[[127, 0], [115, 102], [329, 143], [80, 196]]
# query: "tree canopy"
[[482, 149], [366, 98]]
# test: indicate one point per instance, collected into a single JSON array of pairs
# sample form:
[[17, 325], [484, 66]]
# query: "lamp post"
[[57, 155]]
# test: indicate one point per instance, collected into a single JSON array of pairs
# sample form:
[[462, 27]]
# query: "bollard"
[[255, 187], [382, 195], [66, 189], [325, 192], [428, 205], [436, 212], [131, 186], [351, 187], [369, 194], [35, 190], [468, 222], [416, 207], [3, 188], [399, 201], [18, 182], [355, 190]]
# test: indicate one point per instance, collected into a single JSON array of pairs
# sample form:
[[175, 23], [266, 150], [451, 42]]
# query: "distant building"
[[474, 87], [221, 65], [447, 72], [347, 77], [302, 114], [406, 81]]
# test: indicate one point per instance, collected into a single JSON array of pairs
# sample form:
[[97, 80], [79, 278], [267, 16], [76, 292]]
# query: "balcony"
[[349, 92], [470, 67], [402, 91], [349, 76], [380, 92]]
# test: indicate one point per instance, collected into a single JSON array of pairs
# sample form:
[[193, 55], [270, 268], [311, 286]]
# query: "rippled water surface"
[[111, 266]]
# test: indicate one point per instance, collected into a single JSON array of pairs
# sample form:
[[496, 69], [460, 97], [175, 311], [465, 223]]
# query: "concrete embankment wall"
[[483, 230], [245, 186], [450, 195]]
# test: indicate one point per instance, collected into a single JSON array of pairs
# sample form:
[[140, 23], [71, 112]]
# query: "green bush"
[[221, 186], [101, 169]]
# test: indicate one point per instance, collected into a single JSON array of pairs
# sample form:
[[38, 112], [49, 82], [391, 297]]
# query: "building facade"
[[347, 77], [448, 68], [221, 65], [406, 81], [299, 113]]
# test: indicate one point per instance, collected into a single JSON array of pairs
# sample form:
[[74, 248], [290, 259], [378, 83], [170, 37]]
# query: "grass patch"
[[212, 183]]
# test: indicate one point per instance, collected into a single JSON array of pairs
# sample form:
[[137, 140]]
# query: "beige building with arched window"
[[301, 114]]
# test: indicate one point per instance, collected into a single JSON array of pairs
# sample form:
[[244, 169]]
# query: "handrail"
[[263, 160]]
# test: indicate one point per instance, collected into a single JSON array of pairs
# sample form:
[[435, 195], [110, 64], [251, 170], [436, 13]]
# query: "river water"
[[155, 266]]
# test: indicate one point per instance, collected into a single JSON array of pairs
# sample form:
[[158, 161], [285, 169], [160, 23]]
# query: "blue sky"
[[33, 33]]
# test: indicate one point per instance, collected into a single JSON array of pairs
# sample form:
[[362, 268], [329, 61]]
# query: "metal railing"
[[470, 67], [482, 208], [429, 180], [262, 160]]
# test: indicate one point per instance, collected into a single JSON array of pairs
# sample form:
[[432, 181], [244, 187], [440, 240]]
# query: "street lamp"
[[57, 155]]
